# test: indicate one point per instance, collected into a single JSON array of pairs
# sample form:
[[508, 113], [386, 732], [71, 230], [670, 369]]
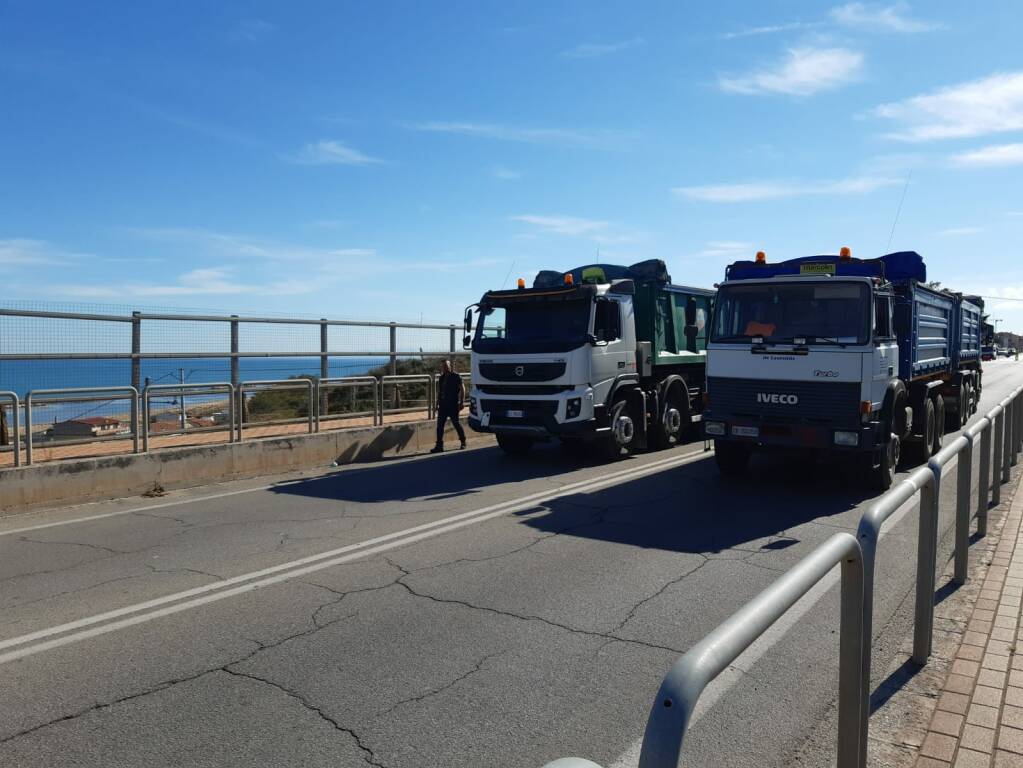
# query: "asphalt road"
[[469, 609]]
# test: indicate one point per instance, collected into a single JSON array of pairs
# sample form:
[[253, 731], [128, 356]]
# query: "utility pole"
[[181, 396]]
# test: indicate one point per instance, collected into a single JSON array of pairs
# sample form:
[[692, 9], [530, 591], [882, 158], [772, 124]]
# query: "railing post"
[[998, 448], [1013, 429], [927, 548], [1007, 443], [236, 379], [136, 368], [451, 345], [984, 481], [853, 677], [28, 429], [321, 405], [964, 481], [394, 349]]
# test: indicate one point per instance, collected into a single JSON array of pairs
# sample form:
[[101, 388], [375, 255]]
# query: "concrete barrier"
[[79, 480]]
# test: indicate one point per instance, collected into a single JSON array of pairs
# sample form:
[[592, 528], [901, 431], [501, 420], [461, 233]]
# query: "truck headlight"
[[714, 428], [848, 439], [573, 407]]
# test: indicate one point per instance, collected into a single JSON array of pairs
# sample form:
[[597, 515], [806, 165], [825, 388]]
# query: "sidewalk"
[[978, 719]]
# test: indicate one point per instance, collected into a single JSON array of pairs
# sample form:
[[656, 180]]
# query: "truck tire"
[[732, 458], [618, 441], [674, 416], [954, 420], [919, 451], [939, 423], [966, 398], [880, 478], [516, 445]]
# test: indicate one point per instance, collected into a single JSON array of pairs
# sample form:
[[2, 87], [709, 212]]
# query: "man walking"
[[450, 400]]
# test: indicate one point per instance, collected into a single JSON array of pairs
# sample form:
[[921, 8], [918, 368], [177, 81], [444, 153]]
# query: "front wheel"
[[880, 478], [732, 458], [516, 445], [618, 441]]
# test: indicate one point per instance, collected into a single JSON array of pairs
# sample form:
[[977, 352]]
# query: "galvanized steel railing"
[[309, 385], [673, 707], [350, 382], [16, 424], [80, 395], [183, 391]]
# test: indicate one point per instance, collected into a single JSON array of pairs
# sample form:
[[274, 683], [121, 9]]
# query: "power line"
[[891, 235]]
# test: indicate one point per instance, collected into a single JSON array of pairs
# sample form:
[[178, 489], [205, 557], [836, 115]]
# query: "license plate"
[[515, 414], [746, 431]]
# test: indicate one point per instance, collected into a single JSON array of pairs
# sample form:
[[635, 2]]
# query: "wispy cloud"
[[209, 281], [992, 104], [251, 31], [1014, 214], [771, 29], [990, 157], [563, 225], [958, 231], [220, 244], [727, 248], [880, 18], [778, 190], [596, 50], [331, 152], [595, 139], [802, 72], [505, 174], [18, 252]]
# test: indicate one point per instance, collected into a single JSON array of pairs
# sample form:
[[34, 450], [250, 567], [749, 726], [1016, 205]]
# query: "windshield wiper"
[[842, 344]]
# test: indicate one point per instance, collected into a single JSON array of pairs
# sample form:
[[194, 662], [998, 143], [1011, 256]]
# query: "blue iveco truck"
[[845, 357]]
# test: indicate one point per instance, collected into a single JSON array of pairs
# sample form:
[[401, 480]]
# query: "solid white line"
[[313, 563]]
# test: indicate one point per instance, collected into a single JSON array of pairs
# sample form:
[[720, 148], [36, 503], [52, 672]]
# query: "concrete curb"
[[78, 480]]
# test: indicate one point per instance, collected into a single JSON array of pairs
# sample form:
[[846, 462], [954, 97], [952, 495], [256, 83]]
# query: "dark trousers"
[[444, 413]]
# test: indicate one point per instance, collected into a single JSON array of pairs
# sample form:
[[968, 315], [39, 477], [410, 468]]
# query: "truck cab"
[[572, 358]]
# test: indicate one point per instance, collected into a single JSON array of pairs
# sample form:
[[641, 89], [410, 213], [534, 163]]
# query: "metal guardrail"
[[15, 424], [680, 690], [187, 390], [349, 382], [418, 378], [79, 395], [307, 384]]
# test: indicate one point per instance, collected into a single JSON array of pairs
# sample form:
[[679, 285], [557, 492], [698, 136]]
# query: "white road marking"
[[170, 604]]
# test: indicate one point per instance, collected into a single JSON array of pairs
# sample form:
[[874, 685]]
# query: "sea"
[[23, 376]]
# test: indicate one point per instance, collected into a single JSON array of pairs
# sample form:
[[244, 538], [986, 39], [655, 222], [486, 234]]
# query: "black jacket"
[[449, 391]]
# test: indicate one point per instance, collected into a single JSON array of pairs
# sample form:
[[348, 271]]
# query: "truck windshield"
[[533, 326], [820, 313]]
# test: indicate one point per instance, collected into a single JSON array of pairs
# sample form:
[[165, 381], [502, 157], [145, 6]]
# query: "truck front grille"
[[522, 371], [825, 402]]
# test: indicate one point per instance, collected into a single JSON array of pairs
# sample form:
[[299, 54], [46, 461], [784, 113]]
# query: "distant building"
[[88, 426]]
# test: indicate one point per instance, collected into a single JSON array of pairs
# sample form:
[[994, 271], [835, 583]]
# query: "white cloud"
[[959, 231], [596, 50], [505, 174], [803, 72], [987, 157], [777, 190], [251, 30], [1014, 214], [330, 152], [599, 139], [770, 29], [729, 248], [18, 252], [563, 225], [209, 281], [880, 18], [241, 246], [992, 104]]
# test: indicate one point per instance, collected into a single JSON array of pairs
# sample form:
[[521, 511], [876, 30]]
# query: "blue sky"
[[392, 160]]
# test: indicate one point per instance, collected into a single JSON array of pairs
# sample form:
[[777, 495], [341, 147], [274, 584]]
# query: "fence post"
[[28, 429], [136, 367], [394, 349], [926, 563], [1013, 429], [324, 371], [1007, 444], [236, 378], [996, 469], [964, 481], [984, 481], [451, 346]]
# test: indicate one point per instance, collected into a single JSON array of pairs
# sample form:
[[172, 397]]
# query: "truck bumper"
[[550, 427], [767, 434]]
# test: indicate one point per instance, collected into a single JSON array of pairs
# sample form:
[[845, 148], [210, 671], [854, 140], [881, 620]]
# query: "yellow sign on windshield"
[[816, 269]]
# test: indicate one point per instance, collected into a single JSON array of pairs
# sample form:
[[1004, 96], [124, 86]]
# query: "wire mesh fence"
[[46, 345]]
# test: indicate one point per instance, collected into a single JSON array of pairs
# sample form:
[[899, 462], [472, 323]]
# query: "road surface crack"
[[659, 592], [435, 691], [368, 755]]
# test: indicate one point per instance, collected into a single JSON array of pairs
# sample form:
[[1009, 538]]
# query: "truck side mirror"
[[468, 320], [466, 341]]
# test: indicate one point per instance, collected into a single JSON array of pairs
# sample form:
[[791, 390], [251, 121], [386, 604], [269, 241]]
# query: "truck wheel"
[[732, 458], [881, 477], [669, 427], [954, 419], [618, 441], [919, 451], [939, 423], [965, 403], [516, 445]]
